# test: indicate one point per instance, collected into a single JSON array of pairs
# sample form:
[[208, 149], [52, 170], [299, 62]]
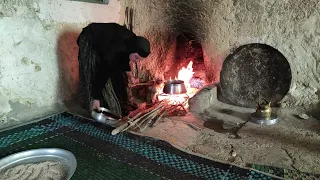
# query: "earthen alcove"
[[187, 49]]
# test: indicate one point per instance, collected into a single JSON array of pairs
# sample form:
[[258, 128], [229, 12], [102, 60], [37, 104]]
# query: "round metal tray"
[[273, 119], [41, 155]]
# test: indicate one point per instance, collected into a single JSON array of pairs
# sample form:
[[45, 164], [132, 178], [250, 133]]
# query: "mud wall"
[[292, 27], [38, 53]]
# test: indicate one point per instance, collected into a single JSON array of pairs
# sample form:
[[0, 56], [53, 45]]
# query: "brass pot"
[[264, 109], [263, 114]]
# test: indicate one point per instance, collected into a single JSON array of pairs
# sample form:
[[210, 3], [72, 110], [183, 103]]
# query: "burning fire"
[[185, 74]]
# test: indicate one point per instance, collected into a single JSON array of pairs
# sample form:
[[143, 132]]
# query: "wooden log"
[[120, 128], [141, 84], [133, 121], [142, 117], [149, 118], [158, 119], [148, 124], [125, 125]]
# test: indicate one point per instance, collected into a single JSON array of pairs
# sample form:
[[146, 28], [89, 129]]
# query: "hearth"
[[175, 94], [169, 98], [249, 73], [187, 66]]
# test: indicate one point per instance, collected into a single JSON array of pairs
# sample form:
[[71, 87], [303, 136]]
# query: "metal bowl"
[[105, 116], [40, 155], [174, 87]]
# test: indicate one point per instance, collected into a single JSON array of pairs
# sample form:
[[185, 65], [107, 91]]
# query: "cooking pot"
[[174, 87], [105, 116]]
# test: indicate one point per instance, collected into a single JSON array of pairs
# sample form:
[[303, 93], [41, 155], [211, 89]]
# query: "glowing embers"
[[174, 99], [176, 104]]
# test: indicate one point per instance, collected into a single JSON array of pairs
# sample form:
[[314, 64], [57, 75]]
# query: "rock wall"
[[38, 53], [292, 27]]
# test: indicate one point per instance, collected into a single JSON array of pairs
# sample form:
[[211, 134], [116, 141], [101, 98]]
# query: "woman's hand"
[[135, 57], [96, 104]]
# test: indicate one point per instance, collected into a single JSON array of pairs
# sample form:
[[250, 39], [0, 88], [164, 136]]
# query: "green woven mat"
[[125, 156]]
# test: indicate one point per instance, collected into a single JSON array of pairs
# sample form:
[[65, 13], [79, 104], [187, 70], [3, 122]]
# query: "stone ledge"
[[204, 99]]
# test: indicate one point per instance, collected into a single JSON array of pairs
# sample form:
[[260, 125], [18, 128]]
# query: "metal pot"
[[264, 109], [174, 87], [105, 116], [263, 114]]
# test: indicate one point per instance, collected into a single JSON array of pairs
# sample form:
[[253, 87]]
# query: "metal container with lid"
[[263, 114], [173, 87]]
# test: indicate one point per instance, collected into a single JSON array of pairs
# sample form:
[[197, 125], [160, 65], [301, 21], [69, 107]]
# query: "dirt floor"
[[223, 133]]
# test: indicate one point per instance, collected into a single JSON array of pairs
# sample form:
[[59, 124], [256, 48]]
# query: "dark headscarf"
[[142, 46]]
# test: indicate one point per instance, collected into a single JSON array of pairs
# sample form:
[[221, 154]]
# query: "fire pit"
[[175, 93], [178, 91], [171, 100]]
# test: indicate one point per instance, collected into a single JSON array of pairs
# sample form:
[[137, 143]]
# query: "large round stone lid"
[[255, 71]]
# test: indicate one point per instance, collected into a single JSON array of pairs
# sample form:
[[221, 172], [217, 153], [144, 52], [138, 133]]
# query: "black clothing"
[[142, 46], [104, 50], [112, 43]]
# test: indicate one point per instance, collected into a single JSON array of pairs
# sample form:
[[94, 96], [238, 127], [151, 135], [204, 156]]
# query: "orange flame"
[[186, 74]]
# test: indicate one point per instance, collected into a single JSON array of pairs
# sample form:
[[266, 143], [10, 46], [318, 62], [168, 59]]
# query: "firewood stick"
[[160, 114], [122, 127], [144, 118], [148, 119], [141, 84], [160, 117], [144, 111], [151, 113], [170, 110], [135, 121], [147, 125]]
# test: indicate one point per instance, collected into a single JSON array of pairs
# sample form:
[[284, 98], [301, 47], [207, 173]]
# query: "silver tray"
[[40, 155], [273, 119]]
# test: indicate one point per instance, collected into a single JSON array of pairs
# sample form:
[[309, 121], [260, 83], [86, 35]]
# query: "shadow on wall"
[[67, 54], [161, 58]]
